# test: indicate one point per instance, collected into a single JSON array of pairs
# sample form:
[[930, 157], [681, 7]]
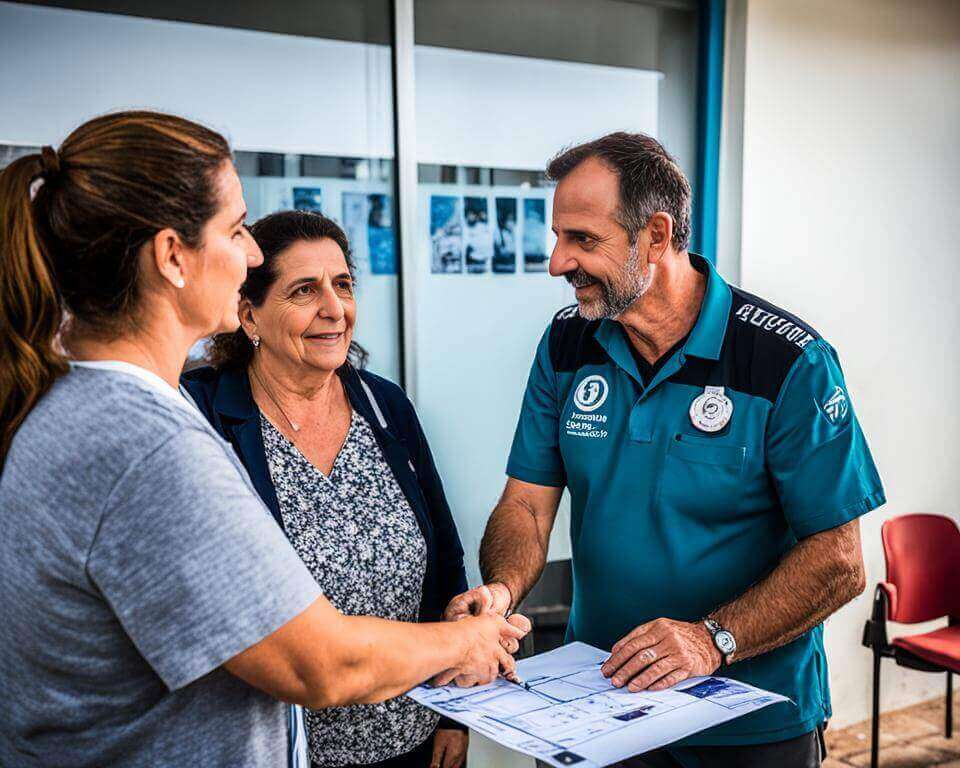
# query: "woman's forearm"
[[322, 658], [376, 659]]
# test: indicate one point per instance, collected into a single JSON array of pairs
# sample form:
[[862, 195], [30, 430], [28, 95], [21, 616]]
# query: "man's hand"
[[449, 748], [494, 597], [660, 654]]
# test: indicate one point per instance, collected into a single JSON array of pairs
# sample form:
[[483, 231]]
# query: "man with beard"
[[715, 466]]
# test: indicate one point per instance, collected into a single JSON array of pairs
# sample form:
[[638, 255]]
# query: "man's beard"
[[614, 298]]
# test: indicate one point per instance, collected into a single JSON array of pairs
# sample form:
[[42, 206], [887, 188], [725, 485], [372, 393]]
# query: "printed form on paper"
[[568, 713]]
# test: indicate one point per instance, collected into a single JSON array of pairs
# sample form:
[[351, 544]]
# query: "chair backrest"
[[923, 562]]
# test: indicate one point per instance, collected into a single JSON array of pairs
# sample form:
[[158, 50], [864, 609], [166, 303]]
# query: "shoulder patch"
[[764, 342], [571, 341], [836, 406], [761, 344], [751, 310]]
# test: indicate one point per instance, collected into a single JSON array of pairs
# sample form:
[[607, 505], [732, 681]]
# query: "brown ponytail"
[[73, 251], [30, 306]]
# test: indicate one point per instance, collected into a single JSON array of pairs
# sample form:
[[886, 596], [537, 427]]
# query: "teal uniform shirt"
[[672, 521]]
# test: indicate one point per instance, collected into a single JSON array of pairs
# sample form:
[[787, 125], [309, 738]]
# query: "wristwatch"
[[723, 639]]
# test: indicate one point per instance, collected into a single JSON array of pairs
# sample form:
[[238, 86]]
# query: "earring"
[[180, 283], [256, 341]]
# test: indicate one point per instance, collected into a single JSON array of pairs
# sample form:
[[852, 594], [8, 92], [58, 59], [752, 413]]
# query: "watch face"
[[725, 642]]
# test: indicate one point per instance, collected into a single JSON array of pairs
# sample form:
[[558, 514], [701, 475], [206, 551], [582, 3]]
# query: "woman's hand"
[[494, 597], [484, 655], [449, 748]]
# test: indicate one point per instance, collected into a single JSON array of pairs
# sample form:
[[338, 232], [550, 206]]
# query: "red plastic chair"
[[923, 583]]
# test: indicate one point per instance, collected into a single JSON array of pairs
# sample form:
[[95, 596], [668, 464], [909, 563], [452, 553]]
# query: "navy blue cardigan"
[[225, 398]]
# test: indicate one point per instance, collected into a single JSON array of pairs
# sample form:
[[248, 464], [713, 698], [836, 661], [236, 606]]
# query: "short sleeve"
[[535, 455], [191, 562], [816, 452]]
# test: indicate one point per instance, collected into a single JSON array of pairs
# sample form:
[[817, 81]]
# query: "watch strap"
[[713, 627]]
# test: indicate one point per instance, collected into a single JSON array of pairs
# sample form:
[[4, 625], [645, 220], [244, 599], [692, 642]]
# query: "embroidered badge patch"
[[835, 407]]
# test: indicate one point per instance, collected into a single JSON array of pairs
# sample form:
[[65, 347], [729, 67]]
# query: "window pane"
[[309, 114]]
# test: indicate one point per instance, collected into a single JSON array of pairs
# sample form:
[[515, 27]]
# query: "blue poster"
[[478, 245], [534, 235], [446, 235], [307, 198], [505, 237], [355, 226], [380, 236]]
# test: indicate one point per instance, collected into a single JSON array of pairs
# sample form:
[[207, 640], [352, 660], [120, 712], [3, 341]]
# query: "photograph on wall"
[[446, 235], [355, 214], [380, 235], [534, 235], [477, 240], [505, 237], [308, 198]]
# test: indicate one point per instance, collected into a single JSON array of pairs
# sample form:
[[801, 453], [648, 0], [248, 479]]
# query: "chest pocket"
[[703, 450], [702, 477]]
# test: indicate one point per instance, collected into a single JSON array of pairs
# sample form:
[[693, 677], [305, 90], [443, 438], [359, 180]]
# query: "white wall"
[[851, 187], [255, 87]]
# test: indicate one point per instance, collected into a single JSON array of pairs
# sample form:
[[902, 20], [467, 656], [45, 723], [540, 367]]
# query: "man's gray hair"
[[650, 180]]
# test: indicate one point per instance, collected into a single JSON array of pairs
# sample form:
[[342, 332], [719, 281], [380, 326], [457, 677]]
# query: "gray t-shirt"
[[135, 559]]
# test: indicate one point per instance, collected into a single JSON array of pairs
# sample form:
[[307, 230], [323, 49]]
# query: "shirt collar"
[[705, 338], [151, 380], [233, 396]]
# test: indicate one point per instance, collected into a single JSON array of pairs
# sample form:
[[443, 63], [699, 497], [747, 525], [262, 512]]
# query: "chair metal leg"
[[948, 730], [875, 723]]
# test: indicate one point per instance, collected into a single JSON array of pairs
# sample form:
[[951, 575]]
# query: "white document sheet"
[[568, 713]]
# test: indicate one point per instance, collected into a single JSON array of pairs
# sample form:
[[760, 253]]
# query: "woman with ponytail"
[[153, 612]]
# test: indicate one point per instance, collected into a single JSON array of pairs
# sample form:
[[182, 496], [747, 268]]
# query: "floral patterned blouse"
[[358, 536]]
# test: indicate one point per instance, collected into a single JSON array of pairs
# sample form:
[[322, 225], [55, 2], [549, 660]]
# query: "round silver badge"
[[712, 410]]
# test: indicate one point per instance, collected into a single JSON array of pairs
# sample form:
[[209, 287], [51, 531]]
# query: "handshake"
[[491, 638]]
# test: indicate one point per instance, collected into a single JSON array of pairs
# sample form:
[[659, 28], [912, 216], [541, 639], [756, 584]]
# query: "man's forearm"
[[514, 548], [814, 579]]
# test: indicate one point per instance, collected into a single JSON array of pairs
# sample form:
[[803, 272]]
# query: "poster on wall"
[[534, 235], [380, 235], [505, 237], [477, 240], [354, 222], [368, 224], [308, 198], [446, 235]]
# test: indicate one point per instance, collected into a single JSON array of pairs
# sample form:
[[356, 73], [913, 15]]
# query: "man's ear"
[[247, 321], [660, 231], [168, 257]]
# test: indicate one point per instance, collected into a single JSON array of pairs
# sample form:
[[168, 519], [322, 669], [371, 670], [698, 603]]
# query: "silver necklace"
[[293, 425]]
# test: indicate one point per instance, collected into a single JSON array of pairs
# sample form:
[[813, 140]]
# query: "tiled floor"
[[909, 738]]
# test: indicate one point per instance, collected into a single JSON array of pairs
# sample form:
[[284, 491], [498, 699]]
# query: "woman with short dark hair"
[[339, 457]]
